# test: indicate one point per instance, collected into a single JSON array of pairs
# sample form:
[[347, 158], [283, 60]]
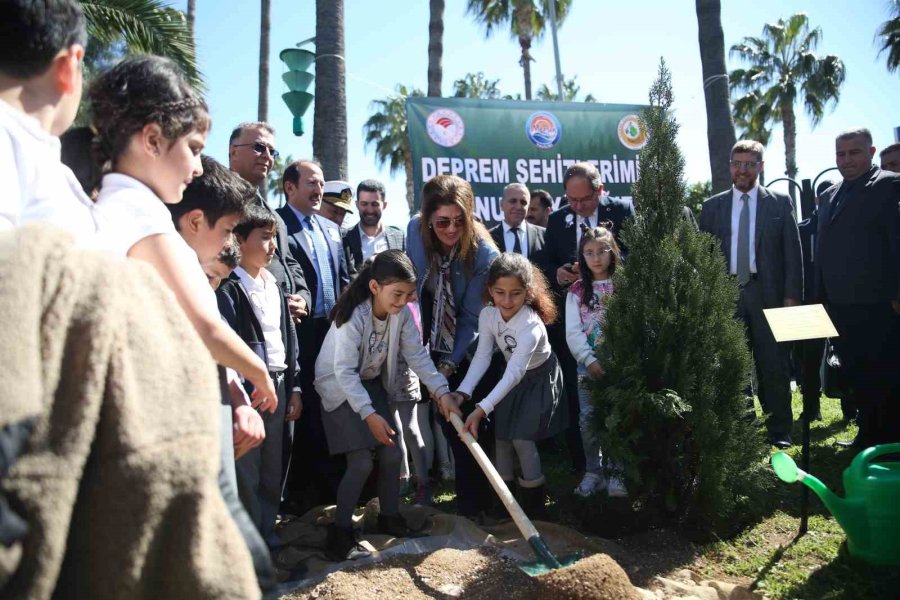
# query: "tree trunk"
[[191, 15], [720, 135], [523, 14], [408, 167], [790, 142], [330, 113], [435, 47], [262, 112]]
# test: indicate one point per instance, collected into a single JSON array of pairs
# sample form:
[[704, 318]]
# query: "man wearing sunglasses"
[[515, 234], [251, 154], [758, 235]]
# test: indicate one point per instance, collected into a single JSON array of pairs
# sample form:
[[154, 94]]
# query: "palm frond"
[[146, 27]]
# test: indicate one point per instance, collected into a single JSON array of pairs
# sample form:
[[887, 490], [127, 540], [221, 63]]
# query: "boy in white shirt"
[[40, 88], [256, 307]]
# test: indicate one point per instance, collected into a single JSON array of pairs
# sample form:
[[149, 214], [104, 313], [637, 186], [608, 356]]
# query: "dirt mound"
[[447, 573], [596, 577]]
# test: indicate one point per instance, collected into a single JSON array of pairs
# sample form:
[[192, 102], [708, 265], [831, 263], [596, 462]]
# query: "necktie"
[[327, 282], [743, 242], [517, 245]]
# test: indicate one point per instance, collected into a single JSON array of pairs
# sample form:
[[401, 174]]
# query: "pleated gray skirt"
[[344, 429], [536, 408]]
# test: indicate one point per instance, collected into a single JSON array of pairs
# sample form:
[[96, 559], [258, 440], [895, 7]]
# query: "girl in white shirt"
[[598, 256], [151, 127], [528, 402]]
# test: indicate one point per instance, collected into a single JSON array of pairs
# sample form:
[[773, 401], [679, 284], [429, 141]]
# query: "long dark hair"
[[390, 266], [450, 190], [511, 264], [605, 236], [139, 91]]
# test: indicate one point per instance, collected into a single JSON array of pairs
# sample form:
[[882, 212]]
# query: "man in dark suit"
[[758, 234], [586, 207], [858, 280], [316, 244], [251, 154], [515, 234], [370, 236]]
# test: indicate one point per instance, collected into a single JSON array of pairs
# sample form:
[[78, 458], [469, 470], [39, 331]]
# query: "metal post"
[[559, 78]]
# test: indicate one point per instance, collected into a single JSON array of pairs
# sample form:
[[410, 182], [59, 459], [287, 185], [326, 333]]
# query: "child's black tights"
[[359, 466]]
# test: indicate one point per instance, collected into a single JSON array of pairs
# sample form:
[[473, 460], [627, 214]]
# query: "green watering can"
[[870, 512]]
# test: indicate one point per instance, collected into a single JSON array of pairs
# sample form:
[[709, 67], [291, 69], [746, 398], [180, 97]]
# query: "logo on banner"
[[632, 133], [445, 127], [543, 129]]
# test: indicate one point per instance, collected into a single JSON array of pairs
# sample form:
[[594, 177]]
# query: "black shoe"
[[343, 544], [782, 442], [533, 501], [395, 526], [855, 443]]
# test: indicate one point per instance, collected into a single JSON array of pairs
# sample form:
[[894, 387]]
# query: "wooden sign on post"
[[794, 323]]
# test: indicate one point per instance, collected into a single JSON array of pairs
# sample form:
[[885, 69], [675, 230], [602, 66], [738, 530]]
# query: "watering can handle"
[[869, 454]]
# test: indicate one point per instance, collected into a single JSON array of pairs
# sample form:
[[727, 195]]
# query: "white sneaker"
[[616, 489], [590, 485]]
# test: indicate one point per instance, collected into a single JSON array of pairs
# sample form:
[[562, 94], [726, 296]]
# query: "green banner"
[[492, 143]]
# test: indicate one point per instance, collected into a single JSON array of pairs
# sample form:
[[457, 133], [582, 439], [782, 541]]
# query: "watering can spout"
[[848, 514]]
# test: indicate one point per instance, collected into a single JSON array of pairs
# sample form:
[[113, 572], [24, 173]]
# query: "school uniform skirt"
[[344, 429], [536, 408]]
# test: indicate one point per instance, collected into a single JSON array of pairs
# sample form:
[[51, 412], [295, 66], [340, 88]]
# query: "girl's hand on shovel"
[[449, 403], [473, 421]]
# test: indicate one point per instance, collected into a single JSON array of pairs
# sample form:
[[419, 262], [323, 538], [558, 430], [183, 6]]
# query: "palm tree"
[[330, 113], [889, 34], [570, 92], [144, 26], [526, 19], [386, 129], [782, 69], [262, 110], [476, 85], [719, 125], [435, 46], [191, 15], [754, 118]]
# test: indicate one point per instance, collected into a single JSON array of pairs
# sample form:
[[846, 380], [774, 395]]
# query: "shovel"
[[546, 560]]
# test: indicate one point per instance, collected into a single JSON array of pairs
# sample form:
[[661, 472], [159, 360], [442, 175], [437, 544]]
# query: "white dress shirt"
[[34, 183], [522, 340], [510, 238], [265, 298], [736, 204], [372, 245], [590, 221]]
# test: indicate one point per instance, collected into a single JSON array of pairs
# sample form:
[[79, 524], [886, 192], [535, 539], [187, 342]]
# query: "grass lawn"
[[766, 553]]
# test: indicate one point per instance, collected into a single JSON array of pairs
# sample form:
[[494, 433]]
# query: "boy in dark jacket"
[[256, 308]]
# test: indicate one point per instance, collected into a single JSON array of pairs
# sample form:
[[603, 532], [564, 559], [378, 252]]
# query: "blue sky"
[[612, 46]]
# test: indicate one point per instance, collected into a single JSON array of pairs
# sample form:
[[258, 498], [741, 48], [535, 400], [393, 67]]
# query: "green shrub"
[[670, 411]]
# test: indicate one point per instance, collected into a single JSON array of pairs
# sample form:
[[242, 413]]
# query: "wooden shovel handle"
[[515, 511]]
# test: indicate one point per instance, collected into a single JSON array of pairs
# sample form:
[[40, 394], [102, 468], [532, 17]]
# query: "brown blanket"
[[119, 480]]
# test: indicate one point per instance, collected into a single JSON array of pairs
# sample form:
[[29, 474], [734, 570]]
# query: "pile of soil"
[[597, 577], [448, 573]]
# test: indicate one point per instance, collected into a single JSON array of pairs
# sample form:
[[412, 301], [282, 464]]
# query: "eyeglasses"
[[445, 223], [750, 165], [597, 254], [260, 148]]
